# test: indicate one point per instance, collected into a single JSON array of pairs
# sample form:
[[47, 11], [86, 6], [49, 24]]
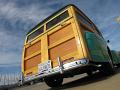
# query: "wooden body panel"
[[63, 40]]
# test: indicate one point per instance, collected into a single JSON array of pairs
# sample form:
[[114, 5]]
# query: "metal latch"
[[60, 63]]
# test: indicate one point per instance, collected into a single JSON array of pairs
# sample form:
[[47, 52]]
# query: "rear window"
[[84, 21], [35, 33], [89, 24], [57, 19]]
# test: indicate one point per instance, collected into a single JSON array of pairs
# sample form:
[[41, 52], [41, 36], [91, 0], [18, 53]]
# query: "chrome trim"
[[65, 67], [60, 64]]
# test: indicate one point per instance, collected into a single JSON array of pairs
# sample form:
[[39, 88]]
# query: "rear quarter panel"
[[97, 47]]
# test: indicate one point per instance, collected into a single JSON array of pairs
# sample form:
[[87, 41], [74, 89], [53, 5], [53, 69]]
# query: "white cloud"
[[9, 58], [11, 44], [8, 40], [33, 12]]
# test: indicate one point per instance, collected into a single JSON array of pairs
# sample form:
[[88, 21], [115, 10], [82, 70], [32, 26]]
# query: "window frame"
[[93, 28], [41, 29], [84, 21], [56, 16], [44, 25]]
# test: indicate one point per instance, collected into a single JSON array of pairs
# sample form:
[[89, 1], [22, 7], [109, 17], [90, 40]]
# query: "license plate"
[[44, 67]]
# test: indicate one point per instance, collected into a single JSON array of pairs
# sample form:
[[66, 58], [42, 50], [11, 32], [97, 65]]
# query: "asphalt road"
[[83, 82]]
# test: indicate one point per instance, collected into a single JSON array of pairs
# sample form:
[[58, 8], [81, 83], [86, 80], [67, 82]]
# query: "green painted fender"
[[97, 47]]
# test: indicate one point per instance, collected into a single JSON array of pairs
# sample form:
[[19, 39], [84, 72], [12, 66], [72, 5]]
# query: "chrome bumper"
[[61, 69]]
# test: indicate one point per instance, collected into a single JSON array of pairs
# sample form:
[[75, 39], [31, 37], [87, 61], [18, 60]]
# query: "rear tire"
[[107, 68], [54, 81], [90, 73]]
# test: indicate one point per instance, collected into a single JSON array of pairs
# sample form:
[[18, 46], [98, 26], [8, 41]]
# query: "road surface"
[[82, 82]]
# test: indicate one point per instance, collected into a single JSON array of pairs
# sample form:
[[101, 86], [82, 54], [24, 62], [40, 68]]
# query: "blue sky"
[[17, 17]]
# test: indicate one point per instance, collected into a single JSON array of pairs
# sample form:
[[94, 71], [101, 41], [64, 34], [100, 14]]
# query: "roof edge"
[[51, 16]]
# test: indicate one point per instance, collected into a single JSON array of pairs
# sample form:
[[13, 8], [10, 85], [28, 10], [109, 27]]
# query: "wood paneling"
[[32, 62], [59, 34], [62, 50], [33, 48]]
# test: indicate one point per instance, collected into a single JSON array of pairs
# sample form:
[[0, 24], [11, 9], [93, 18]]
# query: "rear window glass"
[[35, 34], [57, 19]]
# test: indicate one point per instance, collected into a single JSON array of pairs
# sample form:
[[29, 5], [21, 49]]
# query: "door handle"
[[62, 24]]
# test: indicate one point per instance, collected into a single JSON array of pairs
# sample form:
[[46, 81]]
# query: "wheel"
[[118, 65], [107, 68], [89, 73], [54, 81]]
